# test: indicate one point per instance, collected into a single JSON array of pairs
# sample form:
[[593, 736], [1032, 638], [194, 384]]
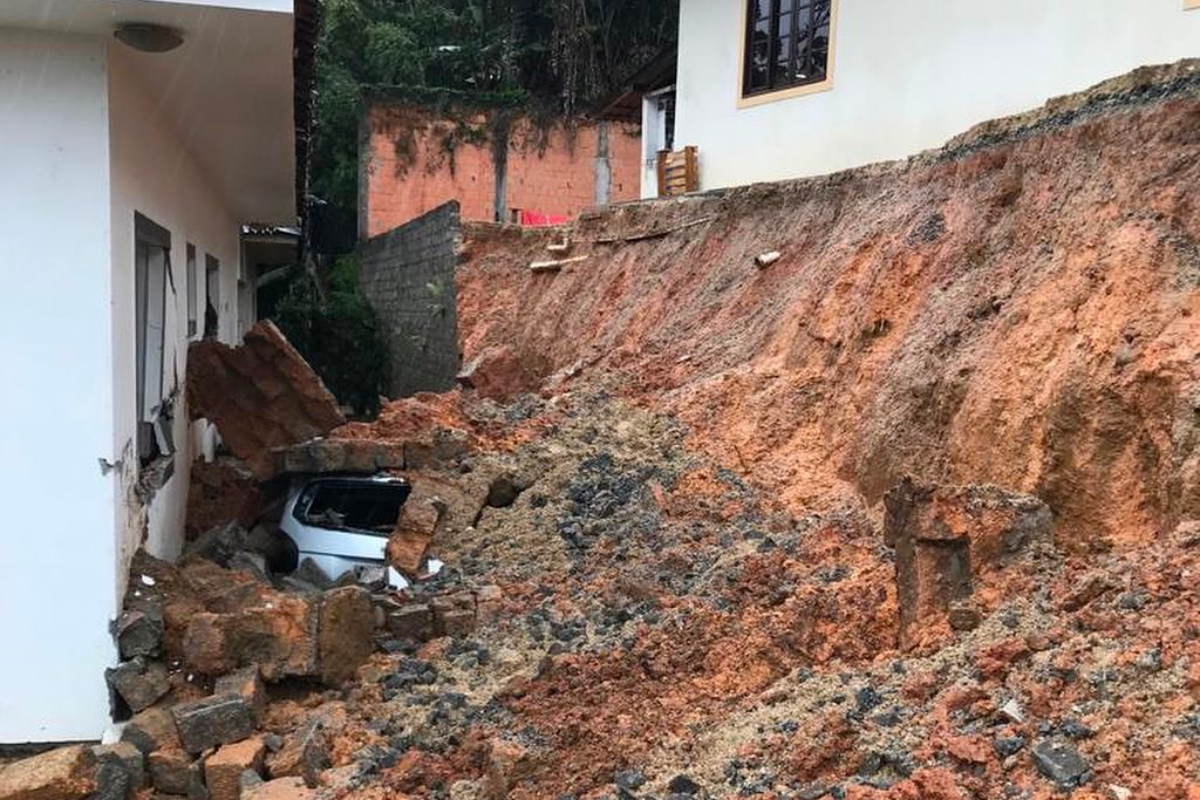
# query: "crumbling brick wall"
[[491, 163], [407, 276]]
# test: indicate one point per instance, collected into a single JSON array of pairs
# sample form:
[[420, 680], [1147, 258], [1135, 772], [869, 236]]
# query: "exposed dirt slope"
[[1021, 308]]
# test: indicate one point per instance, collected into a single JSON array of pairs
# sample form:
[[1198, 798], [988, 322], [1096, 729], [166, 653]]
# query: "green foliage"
[[561, 54], [339, 336]]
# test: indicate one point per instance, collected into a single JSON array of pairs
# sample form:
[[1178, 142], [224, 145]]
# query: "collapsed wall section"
[[408, 278], [1021, 308]]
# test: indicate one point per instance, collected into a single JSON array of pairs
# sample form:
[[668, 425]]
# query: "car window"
[[363, 506]]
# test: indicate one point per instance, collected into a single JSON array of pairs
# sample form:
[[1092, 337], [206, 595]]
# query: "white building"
[[775, 89], [127, 176]]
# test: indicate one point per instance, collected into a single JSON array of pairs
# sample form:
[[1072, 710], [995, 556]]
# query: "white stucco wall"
[[155, 174], [56, 540], [908, 75]]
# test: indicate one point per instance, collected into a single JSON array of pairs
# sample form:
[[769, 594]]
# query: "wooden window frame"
[[786, 93]]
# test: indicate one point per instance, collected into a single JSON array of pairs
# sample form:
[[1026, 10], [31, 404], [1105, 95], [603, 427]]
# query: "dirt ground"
[[671, 509], [697, 598]]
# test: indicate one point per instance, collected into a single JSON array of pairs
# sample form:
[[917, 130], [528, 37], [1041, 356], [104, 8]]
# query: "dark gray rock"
[[153, 729], [128, 757], [1061, 762], [112, 782], [138, 682], [630, 779], [1006, 746], [172, 772], [140, 631], [682, 784], [216, 720]]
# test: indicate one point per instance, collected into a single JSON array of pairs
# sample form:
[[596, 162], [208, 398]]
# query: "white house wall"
[[907, 76], [56, 586], [155, 174]]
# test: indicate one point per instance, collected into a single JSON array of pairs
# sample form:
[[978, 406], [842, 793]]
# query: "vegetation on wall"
[[336, 331], [556, 54]]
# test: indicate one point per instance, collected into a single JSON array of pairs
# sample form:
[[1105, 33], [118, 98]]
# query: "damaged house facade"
[[140, 137], [775, 89]]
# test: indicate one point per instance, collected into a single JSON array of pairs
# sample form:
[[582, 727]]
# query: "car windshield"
[[346, 504]]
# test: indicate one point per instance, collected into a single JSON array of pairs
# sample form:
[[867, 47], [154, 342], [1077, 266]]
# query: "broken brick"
[[304, 754], [216, 720], [412, 622], [346, 632], [248, 684], [279, 636], [175, 772], [366, 456], [138, 683], [152, 729], [223, 770], [261, 396], [409, 543], [140, 631], [128, 757], [62, 774]]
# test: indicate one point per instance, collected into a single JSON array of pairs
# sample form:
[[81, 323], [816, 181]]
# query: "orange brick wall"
[[409, 170]]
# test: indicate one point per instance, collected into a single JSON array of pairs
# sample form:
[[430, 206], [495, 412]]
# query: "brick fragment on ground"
[[152, 729], [138, 682], [305, 753], [175, 772], [419, 519], [346, 632], [279, 636], [223, 770], [261, 396], [248, 684], [219, 719], [140, 631], [67, 773], [127, 756]]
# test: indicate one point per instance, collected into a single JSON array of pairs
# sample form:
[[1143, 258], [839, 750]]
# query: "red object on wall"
[[415, 162], [536, 219]]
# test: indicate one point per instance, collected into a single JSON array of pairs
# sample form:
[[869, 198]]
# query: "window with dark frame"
[[787, 44]]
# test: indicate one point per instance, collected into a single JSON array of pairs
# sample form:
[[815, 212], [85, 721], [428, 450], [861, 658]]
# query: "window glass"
[[362, 506], [787, 44]]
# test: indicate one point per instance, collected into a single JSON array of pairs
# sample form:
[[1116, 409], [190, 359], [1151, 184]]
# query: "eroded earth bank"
[[908, 512]]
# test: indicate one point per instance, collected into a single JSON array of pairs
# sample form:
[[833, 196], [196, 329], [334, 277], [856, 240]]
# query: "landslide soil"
[[692, 580], [1019, 308]]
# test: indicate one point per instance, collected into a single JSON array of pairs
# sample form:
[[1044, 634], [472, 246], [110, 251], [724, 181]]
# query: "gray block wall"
[[407, 276]]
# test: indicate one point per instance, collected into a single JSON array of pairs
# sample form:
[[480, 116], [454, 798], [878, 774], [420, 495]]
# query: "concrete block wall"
[[414, 160], [407, 275]]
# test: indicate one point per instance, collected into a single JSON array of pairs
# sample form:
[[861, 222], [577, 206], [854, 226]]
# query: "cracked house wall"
[[155, 174], [906, 76], [56, 571], [408, 277]]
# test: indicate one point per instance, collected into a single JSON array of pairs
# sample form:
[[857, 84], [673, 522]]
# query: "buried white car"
[[342, 523]]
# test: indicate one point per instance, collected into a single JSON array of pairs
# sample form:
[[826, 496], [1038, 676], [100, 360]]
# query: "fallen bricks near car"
[[261, 395]]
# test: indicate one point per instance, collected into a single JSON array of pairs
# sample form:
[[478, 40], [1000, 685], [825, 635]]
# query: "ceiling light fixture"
[[149, 37]]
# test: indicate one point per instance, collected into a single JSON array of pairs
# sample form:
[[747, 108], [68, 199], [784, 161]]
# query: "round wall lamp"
[[148, 37]]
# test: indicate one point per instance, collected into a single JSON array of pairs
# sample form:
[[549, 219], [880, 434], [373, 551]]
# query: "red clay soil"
[[1020, 308], [693, 581]]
